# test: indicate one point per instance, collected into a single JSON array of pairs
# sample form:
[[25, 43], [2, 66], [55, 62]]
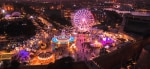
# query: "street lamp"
[[3, 11]]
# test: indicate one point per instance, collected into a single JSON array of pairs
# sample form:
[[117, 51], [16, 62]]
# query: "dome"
[[15, 14], [7, 16]]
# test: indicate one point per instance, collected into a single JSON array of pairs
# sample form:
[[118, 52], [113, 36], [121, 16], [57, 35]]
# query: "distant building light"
[[74, 5], [31, 17]]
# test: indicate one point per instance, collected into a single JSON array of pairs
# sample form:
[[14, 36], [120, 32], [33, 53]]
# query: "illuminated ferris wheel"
[[83, 20]]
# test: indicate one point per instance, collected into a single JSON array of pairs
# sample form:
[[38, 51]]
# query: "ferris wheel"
[[83, 20]]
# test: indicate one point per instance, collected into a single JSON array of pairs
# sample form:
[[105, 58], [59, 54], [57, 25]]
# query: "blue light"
[[54, 40], [71, 39]]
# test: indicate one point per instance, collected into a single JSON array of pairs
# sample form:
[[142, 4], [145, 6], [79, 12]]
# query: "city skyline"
[[74, 34]]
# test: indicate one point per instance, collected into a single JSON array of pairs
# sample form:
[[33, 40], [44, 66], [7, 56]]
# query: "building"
[[138, 23]]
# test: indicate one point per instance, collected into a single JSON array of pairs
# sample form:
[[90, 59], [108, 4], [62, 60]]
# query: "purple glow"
[[83, 20], [23, 53], [107, 40]]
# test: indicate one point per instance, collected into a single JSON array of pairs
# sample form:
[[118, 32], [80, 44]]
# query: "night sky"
[[123, 1]]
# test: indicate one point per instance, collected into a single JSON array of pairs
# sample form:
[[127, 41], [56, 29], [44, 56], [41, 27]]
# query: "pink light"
[[108, 39], [83, 20], [107, 46], [104, 39]]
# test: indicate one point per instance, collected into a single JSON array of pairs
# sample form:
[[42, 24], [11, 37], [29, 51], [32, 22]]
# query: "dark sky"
[[124, 1], [49, 0]]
